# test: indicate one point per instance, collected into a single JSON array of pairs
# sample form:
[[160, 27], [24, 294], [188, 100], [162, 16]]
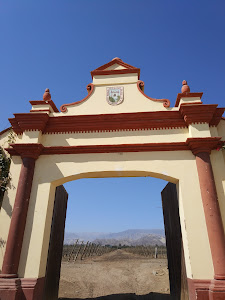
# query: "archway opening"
[[114, 242]]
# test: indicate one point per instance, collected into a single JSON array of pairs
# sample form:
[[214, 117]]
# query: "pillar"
[[10, 285], [201, 148]]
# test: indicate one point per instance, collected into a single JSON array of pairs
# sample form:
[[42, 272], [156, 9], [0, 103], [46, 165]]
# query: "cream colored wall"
[[41, 107], [189, 100], [134, 101], [199, 130], [213, 131], [33, 136], [117, 137], [115, 79], [177, 167], [221, 129], [5, 139]]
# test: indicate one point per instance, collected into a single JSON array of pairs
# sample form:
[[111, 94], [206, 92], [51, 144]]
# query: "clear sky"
[[55, 44], [114, 204]]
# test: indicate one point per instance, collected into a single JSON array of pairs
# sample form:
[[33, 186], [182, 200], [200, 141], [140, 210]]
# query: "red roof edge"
[[102, 69]]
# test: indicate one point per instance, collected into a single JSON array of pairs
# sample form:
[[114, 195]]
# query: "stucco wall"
[[117, 137], [176, 166], [171, 166]]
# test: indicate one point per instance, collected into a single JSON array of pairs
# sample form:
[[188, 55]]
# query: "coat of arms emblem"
[[114, 95]]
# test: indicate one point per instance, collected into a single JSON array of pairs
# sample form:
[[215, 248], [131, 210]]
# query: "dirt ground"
[[116, 275]]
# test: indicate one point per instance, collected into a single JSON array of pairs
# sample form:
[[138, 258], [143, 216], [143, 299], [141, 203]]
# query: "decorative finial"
[[185, 88], [116, 58], [47, 95]]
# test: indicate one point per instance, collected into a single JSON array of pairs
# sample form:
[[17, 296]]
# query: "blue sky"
[[55, 44]]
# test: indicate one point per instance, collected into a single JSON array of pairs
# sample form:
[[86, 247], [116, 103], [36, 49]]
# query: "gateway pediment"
[[116, 88]]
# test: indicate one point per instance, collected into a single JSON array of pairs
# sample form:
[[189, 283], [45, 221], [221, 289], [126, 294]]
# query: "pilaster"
[[29, 153], [201, 148]]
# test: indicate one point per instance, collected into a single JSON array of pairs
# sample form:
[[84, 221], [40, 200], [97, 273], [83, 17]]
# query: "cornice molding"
[[25, 150], [197, 145], [34, 150], [217, 116], [113, 122], [147, 147], [198, 113], [29, 121], [186, 115]]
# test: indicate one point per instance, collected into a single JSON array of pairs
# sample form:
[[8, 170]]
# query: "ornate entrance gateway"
[[115, 131]]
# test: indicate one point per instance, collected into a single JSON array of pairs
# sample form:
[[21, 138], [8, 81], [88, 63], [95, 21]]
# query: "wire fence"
[[81, 250]]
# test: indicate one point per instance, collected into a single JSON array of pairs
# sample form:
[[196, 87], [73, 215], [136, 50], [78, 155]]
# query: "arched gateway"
[[115, 131]]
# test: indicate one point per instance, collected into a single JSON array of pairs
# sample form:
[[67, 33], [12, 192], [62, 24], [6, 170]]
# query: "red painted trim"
[[207, 113], [27, 148], [33, 288], [115, 148], [5, 130], [124, 121], [115, 72], [40, 110], [186, 115], [197, 145], [114, 61], [193, 144], [30, 150], [45, 102], [217, 116], [140, 86], [186, 95], [29, 121], [10, 289], [90, 89], [206, 289], [15, 126], [22, 288], [102, 69]]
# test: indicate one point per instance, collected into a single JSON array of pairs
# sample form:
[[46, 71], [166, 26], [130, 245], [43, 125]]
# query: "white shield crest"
[[114, 95]]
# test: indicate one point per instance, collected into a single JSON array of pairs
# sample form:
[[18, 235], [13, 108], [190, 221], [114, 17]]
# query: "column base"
[[206, 289], [21, 288], [10, 289], [217, 290]]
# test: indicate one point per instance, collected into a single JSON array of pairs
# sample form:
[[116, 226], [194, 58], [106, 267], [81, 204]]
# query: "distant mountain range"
[[131, 237]]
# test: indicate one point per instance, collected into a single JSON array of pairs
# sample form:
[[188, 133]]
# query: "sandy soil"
[[117, 275]]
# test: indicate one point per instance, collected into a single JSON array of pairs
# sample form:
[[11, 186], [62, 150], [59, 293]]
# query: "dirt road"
[[119, 274]]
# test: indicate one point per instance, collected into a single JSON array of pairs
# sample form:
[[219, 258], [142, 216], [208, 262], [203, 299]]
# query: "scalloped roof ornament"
[[115, 67], [106, 70]]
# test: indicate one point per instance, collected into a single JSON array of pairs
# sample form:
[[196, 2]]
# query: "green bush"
[[4, 173]]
